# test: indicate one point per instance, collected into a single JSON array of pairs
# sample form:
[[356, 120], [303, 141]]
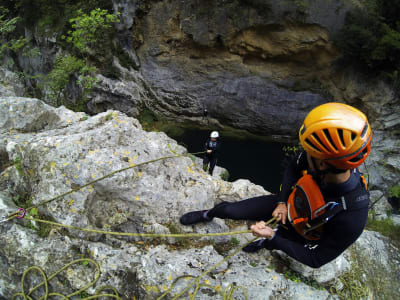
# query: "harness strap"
[[346, 202]]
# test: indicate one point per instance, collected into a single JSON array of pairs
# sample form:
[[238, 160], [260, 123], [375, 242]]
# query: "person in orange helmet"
[[323, 204]]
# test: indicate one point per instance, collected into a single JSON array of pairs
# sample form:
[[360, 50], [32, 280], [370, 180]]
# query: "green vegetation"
[[22, 199], [370, 38], [302, 6], [253, 263], [291, 275], [18, 165], [64, 69], [84, 295], [84, 32], [291, 150], [297, 277], [225, 175], [394, 191], [109, 117], [90, 31], [367, 280], [385, 227], [51, 16], [192, 157], [353, 287], [7, 27], [147, 118], [42, 229], [180, 242], [235, 242]]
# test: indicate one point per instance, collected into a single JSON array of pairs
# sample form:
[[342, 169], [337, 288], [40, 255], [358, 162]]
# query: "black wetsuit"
[[211, 158], [339, 232]]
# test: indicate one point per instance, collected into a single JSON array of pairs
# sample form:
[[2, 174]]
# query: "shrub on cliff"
[[89, 31], [371, 36]]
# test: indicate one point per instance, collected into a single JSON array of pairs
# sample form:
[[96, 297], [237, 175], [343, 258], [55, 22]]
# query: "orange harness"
[[308, 210]]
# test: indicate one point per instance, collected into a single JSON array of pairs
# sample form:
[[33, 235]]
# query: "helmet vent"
[[340, 132], [319, 141], [364, 131], [360, 155], [328, 136], [312, 145], [353, 136]]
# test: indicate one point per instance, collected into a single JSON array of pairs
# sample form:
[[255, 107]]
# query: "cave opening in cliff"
[[259, 160]]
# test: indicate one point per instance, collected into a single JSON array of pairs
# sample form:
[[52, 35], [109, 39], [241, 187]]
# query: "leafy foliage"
[[64, 69], [89, 30], [225, 175], [386, 227], [371, 37], [394, 191], [7, 26]]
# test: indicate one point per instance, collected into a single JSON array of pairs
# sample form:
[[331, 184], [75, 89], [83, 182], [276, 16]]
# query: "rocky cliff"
[[254, 65], [48, 151]]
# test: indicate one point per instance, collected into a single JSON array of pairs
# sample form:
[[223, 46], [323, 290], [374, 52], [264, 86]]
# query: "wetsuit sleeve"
[[339, 233], [292, 175], [206, 145]]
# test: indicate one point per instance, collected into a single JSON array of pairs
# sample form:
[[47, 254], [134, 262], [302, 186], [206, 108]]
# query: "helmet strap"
[[330, 170]]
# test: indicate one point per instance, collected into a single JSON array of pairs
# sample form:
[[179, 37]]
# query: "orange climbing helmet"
[[338, 134]]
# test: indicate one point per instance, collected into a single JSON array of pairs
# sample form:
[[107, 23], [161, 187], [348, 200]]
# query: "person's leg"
[[213, 162], [206, 160], [256, 209]]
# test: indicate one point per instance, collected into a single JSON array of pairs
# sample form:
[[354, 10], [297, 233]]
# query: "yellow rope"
[[153, 235], [46, 281], [14, 215], [227, 294], [229, 291]]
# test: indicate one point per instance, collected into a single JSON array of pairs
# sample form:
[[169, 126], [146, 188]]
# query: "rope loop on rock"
[[227, 294], [28, 295]]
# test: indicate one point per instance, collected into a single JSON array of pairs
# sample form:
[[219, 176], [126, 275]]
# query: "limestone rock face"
[[46, 152], [376, 261], [127, 94], [238, 60], [10, 85]]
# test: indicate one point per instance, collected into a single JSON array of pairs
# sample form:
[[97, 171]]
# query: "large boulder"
[[48, 151]]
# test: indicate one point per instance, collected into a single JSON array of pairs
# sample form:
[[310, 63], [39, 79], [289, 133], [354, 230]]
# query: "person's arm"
[[206, 145], [292, 175], [339, 233]]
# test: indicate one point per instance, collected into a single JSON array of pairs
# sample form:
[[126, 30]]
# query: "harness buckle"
[[332, 204]]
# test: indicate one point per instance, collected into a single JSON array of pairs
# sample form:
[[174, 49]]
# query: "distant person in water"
[[211, 147], [323, 204]]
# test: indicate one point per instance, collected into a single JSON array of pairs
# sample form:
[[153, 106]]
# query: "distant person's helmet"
[[338, 134], [214, 134]]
